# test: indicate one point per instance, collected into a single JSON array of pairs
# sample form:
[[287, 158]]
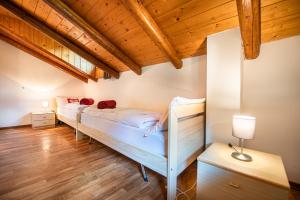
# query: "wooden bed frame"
[[186, 140]]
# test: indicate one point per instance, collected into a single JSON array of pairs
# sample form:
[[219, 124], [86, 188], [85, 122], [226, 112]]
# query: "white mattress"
[[155, 143]]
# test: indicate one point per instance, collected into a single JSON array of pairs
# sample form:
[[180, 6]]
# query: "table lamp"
[[243, 127], [45, 105]]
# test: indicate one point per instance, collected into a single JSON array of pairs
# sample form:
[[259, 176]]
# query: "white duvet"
[[132, 117]]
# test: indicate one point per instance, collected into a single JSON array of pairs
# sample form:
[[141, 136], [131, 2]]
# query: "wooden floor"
[[50, 164]]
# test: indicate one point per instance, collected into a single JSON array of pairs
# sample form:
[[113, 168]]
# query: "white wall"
[[223, 83], [156, 87], [271, 92], [25, 82]]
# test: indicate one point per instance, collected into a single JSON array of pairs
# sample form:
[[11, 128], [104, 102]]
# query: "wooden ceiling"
[[185, 23]]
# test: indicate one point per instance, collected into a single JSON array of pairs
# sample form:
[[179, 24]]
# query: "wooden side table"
[[219, 176], [42, 120]]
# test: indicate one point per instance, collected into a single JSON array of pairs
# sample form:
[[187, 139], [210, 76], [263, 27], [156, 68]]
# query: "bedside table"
[[42, 120], [219, 176]]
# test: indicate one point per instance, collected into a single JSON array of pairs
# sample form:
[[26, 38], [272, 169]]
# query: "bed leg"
[[145, 176], [79, 135], [171, 186], [91, 140]]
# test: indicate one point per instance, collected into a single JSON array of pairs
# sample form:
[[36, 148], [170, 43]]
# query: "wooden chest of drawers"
[[219, 176], [43, 119]]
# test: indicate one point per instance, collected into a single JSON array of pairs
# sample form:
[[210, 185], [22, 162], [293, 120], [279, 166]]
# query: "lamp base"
[[241, 156]]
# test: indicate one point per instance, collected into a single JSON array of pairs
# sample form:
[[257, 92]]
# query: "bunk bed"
[[184, 140]]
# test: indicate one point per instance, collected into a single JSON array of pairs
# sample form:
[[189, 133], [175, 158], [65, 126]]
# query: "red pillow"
[[73, 100], [87, 101], [107, 104]]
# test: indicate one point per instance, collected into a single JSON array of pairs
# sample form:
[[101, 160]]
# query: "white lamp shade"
[[45, 104], [243, 126]]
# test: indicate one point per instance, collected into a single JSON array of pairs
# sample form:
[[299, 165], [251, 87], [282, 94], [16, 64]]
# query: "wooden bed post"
[[79, 135], [172, 154], [186, 140]]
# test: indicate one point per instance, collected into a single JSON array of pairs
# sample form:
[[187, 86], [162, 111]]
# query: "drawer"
[[217, 183], [40, 123], [46, 116]]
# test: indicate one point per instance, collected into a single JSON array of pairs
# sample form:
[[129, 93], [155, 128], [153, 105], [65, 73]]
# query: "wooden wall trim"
[[18, 126], [152, 29], [56, 36], [294, 185], [103, 41], [250, 25], [98, 73], [45, 56]]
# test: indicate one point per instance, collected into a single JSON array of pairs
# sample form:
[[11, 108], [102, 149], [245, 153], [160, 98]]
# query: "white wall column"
[[224, 53]]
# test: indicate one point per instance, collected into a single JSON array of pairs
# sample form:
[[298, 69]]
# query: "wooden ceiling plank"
[[54, 19], [193, 11], [157, 8], [85, 6], [61, 39], [30, 5], [281, 28], [73, 17], [92, 14], [249, 20], [38, 55], [42, 10], [152, 29], [184, 22], [279, 10]]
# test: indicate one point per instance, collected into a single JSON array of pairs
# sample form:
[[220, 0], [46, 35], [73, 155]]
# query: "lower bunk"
[[167, 153]]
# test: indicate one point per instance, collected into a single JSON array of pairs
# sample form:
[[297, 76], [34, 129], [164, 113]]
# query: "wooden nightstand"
[[43, 119], [219, 176]]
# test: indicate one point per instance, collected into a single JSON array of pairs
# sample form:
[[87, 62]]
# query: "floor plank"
[[50, 164]]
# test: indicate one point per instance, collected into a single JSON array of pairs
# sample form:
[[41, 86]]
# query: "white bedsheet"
[[155, 143]]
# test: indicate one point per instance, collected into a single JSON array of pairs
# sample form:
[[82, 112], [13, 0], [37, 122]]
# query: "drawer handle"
[[236, 186]]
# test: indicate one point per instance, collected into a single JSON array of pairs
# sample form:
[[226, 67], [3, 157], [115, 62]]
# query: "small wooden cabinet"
[[43, 119], [219, 176]]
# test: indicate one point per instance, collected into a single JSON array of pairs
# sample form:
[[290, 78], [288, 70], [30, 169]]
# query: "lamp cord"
[[185, 192], [231, 146]]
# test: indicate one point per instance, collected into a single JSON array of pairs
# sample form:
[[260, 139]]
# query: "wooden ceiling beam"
[[56, 36], [152, 29], [41, 54], [250, 25], [103, 41]]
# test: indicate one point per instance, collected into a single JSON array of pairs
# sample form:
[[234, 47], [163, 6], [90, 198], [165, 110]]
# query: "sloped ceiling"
[[186, 23]]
